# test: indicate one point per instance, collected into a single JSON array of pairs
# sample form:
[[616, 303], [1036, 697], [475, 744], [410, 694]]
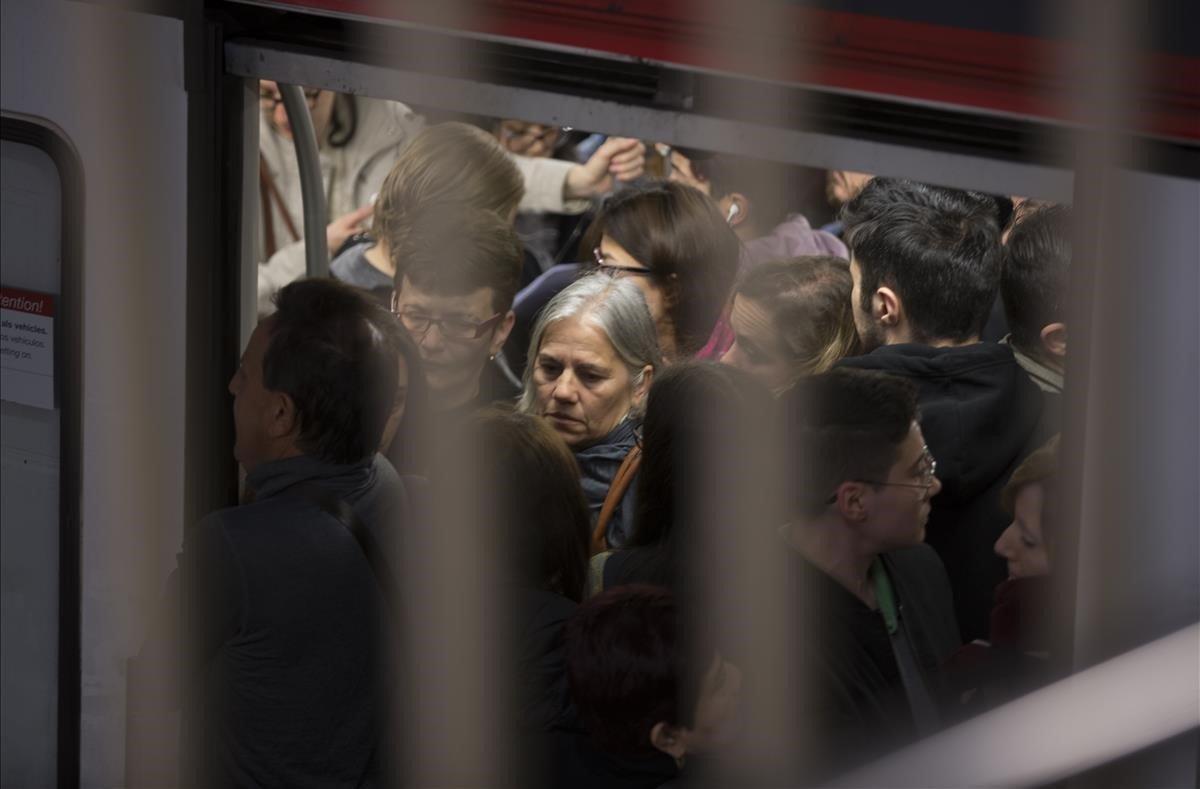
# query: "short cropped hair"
[[627, 667], [938, 248], [1034, 275], [845, 425], [454, 250], [617, 308], [332, 352], [677, 232], [539, 506], [447, 161], [808, 301]]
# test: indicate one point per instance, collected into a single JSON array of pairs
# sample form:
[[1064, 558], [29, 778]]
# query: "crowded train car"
[[592, 394]]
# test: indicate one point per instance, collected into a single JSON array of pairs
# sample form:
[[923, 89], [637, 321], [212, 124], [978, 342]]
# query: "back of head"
[[627, 667], [808, 301], [617, 308], [699, 426], [774, 189], [454, 249], [846, 424], [678, 233], [536, 504], [1033, 281], [446, 162], [336, 354], [938, 248]]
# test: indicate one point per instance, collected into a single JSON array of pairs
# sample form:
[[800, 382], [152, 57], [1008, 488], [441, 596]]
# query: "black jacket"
[[288, 630], [980, 415], [540, 619], [855, 704]]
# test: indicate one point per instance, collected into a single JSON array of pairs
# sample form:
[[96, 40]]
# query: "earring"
[[492, 358]]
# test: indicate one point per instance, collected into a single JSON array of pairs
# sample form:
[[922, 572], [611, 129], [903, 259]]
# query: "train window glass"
[[30, 454]]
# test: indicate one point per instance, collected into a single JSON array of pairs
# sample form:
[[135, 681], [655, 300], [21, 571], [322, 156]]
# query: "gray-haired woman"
[[593, 354]]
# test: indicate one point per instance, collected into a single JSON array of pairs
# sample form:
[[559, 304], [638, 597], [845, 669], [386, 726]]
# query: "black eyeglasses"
[[928, 475], [419, 324], [269, 99], [618, 271]]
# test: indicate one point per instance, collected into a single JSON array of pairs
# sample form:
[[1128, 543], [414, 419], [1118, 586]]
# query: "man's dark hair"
[[938, 248], [628, 667], [845, 425], [677, 232], [1033, 279], [333, 351], [454, 250]]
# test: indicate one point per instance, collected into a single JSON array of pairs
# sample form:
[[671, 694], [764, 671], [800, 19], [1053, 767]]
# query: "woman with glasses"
[[592, 357], [675, 246]]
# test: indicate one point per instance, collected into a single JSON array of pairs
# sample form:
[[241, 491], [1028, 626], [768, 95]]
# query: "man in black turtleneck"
[[925, 263], [284, 617]]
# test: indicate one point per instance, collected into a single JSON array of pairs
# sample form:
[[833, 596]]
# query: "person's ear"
[[736, 208], [671, 740], [850, 502], [281, 415], [500, 335], [1054, 340], [643, 388], [886, 308]]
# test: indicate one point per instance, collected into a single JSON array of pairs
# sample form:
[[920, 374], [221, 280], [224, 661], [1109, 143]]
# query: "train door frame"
[[68, 364]]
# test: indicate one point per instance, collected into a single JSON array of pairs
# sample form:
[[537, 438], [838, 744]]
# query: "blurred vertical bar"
[[452, 720], [735, 502], [1132, 375]]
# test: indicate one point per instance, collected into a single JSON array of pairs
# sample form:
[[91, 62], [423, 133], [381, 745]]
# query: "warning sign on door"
[[27, 347]]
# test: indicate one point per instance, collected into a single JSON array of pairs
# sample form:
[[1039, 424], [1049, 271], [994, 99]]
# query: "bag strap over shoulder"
[[616, 492], [337, 508]]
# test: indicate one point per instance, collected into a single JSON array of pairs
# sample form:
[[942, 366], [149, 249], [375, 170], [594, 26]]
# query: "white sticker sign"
[[27, 347]]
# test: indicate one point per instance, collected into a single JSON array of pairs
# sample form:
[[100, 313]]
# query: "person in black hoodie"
[[925, 262]]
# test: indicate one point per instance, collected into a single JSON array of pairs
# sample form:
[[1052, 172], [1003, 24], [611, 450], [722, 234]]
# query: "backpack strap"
[[337, 508], [616, 492]]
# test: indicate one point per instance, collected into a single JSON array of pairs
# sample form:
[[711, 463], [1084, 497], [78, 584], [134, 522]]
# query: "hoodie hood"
[[979, 410]]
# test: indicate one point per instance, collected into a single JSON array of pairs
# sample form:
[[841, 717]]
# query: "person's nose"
[[432, 339], [935, 488], [280, 115], [566, 388], [233, 387], [1001, 547]]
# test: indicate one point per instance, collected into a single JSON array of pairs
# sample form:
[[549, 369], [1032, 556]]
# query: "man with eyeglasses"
[[456, 277], [877, 609], [925, 271]]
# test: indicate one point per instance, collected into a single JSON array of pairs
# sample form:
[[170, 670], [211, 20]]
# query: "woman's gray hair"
[[617, 308]]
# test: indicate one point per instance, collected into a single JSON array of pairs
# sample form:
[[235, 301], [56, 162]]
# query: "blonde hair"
[[446, 162]]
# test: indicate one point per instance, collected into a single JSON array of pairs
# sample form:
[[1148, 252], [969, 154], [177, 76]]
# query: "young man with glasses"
[[456, 276], [877, 608], [925, 270]]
